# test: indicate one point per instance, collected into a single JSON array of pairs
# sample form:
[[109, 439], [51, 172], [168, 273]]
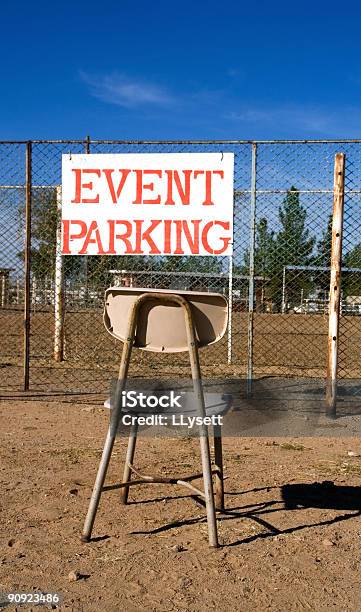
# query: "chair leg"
[[127, 474], [203, 430], [208, 490], [102, 472], [218, 460], [98, 486], [113, 427]]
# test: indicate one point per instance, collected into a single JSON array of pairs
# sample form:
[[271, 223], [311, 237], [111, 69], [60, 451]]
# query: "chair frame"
[[208, 495]]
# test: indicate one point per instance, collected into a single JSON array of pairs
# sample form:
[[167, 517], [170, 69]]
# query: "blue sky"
[[165, 70]]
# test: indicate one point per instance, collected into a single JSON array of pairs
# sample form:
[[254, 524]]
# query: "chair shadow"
[[166, 498], [325, 495]]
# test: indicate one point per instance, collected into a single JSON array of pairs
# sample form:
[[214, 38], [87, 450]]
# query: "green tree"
[[264, 252], [293, 246], [198, 265], [351, 281], [44, 219], [96, 268], [353, 258], [322, 257], [323, 253], [195, 267]]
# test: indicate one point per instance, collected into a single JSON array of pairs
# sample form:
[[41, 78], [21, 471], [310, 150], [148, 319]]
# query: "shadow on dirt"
[[323, 495]]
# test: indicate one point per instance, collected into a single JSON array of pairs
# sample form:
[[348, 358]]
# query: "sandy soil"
[[282, 547]]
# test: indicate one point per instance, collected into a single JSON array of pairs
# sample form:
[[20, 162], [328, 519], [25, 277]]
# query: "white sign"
[[147, 204]]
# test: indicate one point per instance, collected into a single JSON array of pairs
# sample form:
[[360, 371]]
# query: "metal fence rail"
[[277, 280]]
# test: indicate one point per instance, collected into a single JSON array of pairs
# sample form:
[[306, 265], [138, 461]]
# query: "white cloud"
[[315, 119], [312, 120], [120, 90], [221, 110]]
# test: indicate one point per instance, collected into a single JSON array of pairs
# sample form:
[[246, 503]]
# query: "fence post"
[[3, 288], [86, 291], [59, 287], [335, 284], [283, 307], [27, 264], [251, 271]]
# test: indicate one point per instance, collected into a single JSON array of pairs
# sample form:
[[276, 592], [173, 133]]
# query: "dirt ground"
[[282, 547]]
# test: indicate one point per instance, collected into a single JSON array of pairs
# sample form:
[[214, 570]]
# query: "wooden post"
[[335, 284]]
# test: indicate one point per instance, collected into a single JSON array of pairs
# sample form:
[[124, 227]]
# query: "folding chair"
[[164, 321]]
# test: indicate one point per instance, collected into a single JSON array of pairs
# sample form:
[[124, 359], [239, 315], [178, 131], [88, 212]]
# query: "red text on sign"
[[146, 185]]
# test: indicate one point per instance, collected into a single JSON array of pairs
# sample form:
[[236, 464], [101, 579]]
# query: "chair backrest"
[[161, 326]]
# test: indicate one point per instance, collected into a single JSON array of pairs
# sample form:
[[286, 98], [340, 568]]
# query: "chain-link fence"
[[277, 280]]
